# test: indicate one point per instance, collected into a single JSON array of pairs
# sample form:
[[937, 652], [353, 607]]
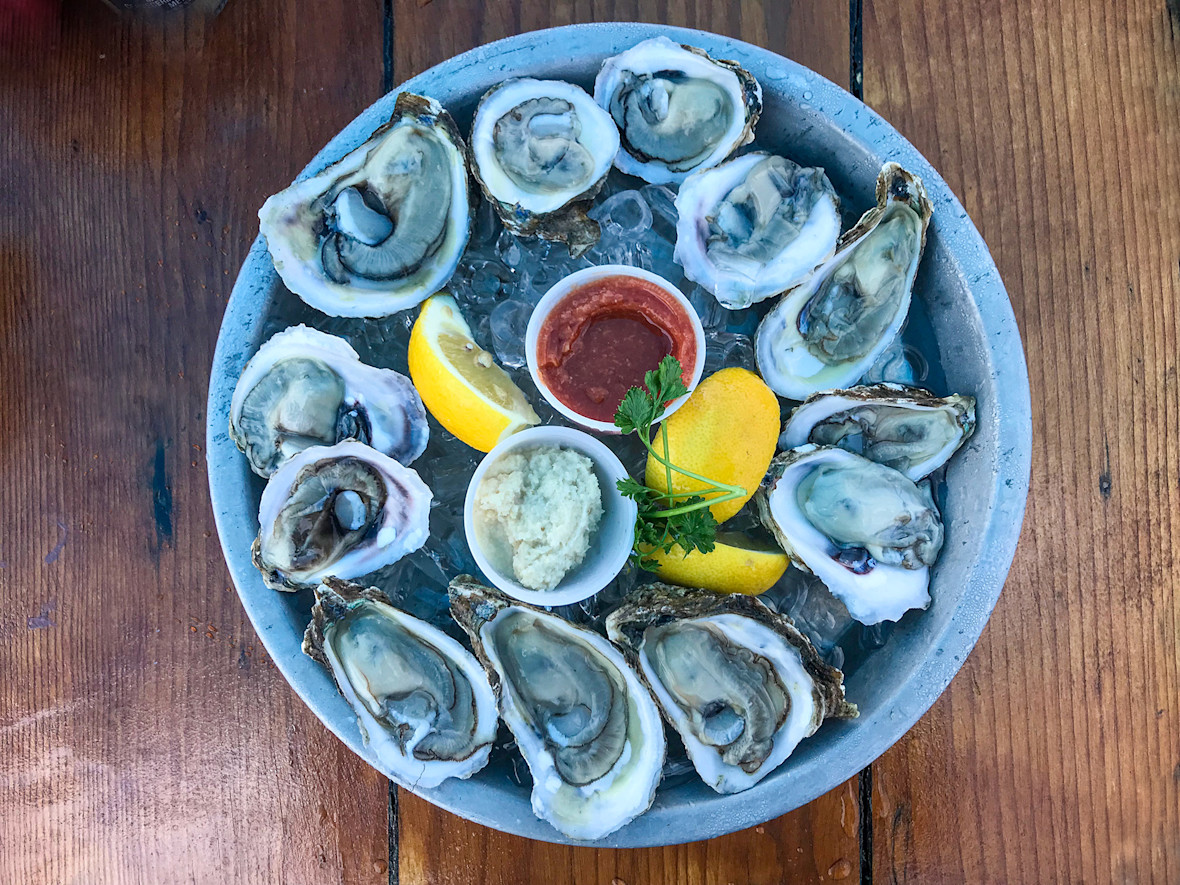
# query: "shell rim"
[[536, 203], [665, 824]]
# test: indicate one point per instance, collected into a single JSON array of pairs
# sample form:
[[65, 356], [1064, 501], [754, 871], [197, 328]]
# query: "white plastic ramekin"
[[611, 544], [560, 290]]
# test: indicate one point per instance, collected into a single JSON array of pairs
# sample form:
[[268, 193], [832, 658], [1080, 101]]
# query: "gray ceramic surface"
[[816, 123]]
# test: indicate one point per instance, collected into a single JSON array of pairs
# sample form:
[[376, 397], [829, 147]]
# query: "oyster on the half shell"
[[739, 683], [307, 388], [677, 109], [382, 228], [341, 511], [423, 702], [864, 529], [906, 428], [584, 722], [755, 226], [541, 150], [828, 331]]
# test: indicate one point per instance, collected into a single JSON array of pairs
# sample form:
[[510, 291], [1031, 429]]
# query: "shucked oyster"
[[340, 511], [307, 388], [906, 428], [584, 722], [384, 227], [754, 227], [677, 109], [739, 683], [830, 330], [423, 702], [864, 529], [541, 149]]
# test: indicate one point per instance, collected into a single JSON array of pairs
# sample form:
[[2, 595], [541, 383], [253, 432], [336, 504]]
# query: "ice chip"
[[623, 215], [713, 315], [508, 249], [509, 321], [484, 282], [727, 350], [820, 615]]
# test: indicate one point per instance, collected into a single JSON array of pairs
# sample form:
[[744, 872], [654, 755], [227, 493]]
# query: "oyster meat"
[[341, 511], [423, 702], [829, 331], [738, 682], [541, 150], [755, 226], [864, 529], [906, 428], [381, 229], [307, 388], [584, 722], [677, 109]]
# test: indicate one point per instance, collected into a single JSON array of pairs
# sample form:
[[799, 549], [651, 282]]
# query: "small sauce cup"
[[612, 542], [674, 303]]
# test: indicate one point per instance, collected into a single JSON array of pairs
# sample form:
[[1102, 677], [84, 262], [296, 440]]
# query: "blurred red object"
[[27, 21]]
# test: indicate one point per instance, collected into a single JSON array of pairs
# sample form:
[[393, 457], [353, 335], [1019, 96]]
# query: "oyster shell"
[[865, 530], [830, 330], [307, 388], [677, 109], [341, 511], [584, 722], [381, 229], [739, 683], [423, 703], [541, 150], [755, 226], [906, 428]]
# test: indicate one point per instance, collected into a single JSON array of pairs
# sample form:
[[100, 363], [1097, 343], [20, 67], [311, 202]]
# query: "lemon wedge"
[[459, 381], [736, 564], [726, 430]]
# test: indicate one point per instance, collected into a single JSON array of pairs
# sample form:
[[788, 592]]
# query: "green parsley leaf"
[[636, 411], [664, 521]]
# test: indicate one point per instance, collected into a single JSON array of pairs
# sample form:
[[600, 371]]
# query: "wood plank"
[[1055, 755], [818, 842], [812, 32], [144, 735]]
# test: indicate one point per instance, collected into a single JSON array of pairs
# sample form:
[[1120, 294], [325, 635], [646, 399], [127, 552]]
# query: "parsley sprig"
[[667, 519]]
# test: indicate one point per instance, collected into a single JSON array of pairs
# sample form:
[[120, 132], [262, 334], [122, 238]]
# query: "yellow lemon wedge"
[[727, 431], [737, 564], [459, 381]]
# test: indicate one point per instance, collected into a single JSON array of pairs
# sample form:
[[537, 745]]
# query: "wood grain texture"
[[144, 735], [812, 32], [1055, 755], [817, 843]]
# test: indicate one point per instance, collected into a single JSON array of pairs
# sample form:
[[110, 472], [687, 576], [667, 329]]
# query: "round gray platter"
[[816, 123]]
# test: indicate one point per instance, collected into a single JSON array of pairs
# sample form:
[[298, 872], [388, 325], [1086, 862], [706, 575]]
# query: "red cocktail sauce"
[[601, 338]]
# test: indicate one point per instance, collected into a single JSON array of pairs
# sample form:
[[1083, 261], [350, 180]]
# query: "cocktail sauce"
[[602, 337]]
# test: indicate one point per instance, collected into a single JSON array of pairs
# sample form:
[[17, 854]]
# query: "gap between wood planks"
[[865, 778], [856, 84], [387, 86]]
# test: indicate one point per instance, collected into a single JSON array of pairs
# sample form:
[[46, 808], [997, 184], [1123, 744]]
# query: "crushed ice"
[[499, 280]]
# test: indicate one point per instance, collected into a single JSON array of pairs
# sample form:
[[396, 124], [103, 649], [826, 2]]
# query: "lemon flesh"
[[459, 382]]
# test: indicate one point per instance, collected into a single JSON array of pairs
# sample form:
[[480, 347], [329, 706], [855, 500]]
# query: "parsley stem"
[[735, 491], [667, 457], [669, 496], [688, 508], [686, 520]]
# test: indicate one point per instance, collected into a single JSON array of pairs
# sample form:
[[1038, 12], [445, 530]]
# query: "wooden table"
[[144, 735]]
